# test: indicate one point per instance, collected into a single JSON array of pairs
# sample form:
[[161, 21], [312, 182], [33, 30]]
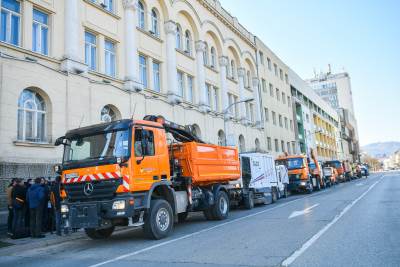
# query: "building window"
[[294, 147], [276, 145], [266, 114], [281, 74], [10, 21], [274, 117], [141, 15], [287, 79], [269, 63], [181, 83], [264, 85], [242, 144], [216, 99], [275, 69], [156, 76], [31, 117], [188, 43], [90, 50], [109, 5], [143, 70], [291, 125], [261, 58], [178, 37], [283, 98], [269, 145], [283, 146], [110, 65], [154, 23], [248, 79], [288, 148], [251, 108], [208, 91], [213, 57], [40, 32], [189, 95], [233, 69], [280, 121], [278, 96], [271, 90], [286, 123], [288, 101]]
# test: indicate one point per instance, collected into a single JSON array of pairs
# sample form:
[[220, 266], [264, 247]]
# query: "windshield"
[[311, 165], [334, 164], [295, 163], [98, 147]]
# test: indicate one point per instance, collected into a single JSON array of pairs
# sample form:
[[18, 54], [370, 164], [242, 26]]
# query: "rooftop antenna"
[[80, 123], [329, 69]]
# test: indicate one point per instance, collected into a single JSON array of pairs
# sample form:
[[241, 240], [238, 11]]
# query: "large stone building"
[[335, 89], [66, 64]]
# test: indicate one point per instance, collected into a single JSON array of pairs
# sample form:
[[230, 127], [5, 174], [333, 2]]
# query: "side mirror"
[[59, 141]]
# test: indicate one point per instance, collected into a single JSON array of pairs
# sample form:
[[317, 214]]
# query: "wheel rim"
[[162, 219], [223, 205]]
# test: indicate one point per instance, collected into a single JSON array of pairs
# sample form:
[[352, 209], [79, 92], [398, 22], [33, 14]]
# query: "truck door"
[[146, 164]]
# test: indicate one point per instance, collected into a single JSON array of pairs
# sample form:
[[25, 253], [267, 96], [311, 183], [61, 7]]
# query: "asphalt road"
[[352, 224]]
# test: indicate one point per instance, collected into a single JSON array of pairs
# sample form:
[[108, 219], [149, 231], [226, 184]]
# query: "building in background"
[[335, 89], [316, 122]]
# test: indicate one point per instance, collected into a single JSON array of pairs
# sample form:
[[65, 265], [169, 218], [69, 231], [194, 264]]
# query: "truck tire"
[[182, 216], [274, 195], [159, 221], [310, 189], [249, 200], [285, 191], [99, 233], [220, 210]]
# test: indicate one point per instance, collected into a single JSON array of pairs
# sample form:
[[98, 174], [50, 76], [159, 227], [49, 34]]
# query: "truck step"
[[140, 222]]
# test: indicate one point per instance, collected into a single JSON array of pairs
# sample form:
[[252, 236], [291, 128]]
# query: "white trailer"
[[259, 182]]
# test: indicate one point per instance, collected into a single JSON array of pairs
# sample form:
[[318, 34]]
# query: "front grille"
[[293, 178], [103, 189]]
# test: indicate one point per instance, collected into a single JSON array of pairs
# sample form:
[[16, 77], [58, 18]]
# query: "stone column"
[[172, 92], [223, 65], [201, 78], [73, 61], [131, 53], [257, 102], [242, 108]]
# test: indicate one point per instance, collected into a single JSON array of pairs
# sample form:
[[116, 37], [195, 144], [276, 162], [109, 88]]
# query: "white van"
[[259, 181]]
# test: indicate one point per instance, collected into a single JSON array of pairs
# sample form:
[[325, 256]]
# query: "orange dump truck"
[[124, 173]]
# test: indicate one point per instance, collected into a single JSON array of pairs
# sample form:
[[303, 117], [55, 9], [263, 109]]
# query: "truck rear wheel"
[[99, 233], [249, 200], [274, 195], [159, 221], [220, 210]]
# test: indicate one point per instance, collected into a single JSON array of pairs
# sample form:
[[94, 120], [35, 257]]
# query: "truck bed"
[[207, 164]]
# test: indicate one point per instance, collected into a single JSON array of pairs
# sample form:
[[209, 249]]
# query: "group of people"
[[34, 207]]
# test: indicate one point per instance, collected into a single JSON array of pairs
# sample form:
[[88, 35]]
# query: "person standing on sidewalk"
[[56, 203], [35, 198], [10, 206], [18, 197]]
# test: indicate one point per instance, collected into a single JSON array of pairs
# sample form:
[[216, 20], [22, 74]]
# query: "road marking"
[[202, 231], [302, 212], [359, 184], [313, 239]]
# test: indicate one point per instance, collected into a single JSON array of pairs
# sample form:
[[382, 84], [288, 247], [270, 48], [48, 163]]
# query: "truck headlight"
[[303, 183], [118, 205], [64, 209]]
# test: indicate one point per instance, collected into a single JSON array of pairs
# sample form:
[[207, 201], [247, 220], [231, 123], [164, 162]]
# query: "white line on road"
[[200, 232], [313, 239], [302, 212]]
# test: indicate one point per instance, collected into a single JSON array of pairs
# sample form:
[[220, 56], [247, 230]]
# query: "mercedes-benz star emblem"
[[88, 189]]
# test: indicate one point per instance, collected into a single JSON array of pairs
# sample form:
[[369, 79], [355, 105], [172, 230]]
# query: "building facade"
[[335, 89]]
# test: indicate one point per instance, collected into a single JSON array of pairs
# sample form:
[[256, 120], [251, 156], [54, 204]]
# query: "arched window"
[[188, 43], [233, 69], [221, 138], [205, 55], [154, 22], [248, 78], [109, 113], [213, 57], [228, 70], [31, 117], [258, 145], [141, 15], [242, 145], [178, 37]]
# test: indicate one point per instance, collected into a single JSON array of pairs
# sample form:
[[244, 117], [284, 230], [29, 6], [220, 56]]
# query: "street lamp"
[[227, 110]]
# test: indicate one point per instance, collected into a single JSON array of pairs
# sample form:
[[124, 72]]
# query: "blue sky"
[[359, 36]]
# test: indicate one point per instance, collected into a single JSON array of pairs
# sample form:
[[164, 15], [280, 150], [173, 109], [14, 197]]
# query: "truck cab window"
[[144, 143]]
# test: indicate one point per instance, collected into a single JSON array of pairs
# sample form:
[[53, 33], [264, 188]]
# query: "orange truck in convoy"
[[300, 177], [125, 173]]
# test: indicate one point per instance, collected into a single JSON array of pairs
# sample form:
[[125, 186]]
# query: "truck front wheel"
[[249, 200], [99, 233], [159, 221]]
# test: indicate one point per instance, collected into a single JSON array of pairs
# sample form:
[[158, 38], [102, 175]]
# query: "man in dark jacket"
[[10, 205], [18, 198], [56, 203], [35, 199]]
